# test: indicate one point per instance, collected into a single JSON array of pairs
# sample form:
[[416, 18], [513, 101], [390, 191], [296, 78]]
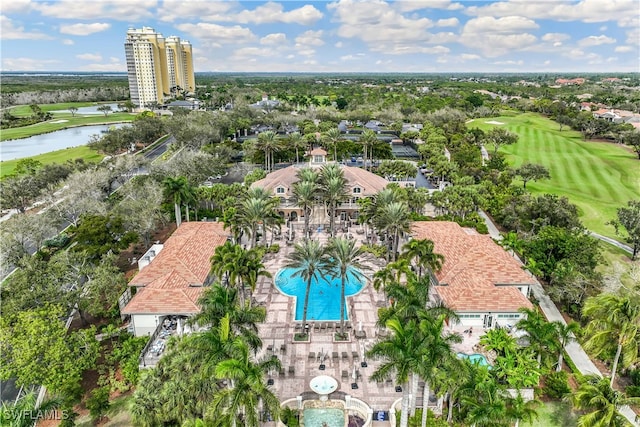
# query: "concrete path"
[[551, 312], [614, 242]]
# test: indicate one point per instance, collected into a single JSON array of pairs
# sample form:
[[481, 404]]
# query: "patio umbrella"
[[355, 373]]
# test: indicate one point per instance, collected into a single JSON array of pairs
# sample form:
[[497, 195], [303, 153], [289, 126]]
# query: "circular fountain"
[[324, 385]]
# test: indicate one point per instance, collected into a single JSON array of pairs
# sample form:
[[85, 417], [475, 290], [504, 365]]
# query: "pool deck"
[[298, 367]]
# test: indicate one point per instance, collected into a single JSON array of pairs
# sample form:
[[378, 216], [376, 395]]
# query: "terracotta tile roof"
[[172, 282], [476, 271], [370, 183], [318, 152], [186, 252], [165, 301]]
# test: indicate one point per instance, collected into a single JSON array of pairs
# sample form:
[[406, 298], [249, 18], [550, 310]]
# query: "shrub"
[[274, 249], [377, 250], [98, 403], [633, 391], [556, 385]]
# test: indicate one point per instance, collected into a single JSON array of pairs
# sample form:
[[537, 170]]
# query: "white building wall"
[[144, 324]]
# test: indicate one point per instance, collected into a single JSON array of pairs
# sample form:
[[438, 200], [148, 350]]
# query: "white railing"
[[392, 412], [353, 404]]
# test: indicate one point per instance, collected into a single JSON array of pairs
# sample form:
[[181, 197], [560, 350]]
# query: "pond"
[[47, 142]]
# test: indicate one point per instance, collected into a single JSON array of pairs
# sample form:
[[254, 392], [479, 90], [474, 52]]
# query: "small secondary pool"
[[475, 358], [315, 417], [324, 297]]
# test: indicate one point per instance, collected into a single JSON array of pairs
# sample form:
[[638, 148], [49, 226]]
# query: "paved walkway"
[[574, 350]]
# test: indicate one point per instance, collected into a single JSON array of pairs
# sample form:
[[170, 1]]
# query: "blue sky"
[[331, 36]]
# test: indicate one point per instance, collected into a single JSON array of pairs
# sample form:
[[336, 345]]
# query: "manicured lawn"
[[60, 156], [24, 110], [553, 414], [598, 177]]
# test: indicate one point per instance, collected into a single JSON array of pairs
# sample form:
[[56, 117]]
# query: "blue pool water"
[[332, 417], [475, 358], [324, 298]]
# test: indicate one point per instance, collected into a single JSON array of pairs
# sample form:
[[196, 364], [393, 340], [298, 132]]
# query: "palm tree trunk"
[[615, 364], [306, 305], [560, 358], [425, 402], [404, 416], [187, 206], [176, 209], [297, 156], [307, 214], [413, 395], [450, 413], [342, 301]]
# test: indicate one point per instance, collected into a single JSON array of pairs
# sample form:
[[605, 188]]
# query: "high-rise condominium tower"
[[157, 68]]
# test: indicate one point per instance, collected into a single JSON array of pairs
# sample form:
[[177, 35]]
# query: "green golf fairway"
[[598, 177]]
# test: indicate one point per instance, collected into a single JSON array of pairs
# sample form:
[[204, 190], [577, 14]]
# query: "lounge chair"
[[334, 355], [281, 372], [323, 327], [345, 356], [312, 355], [355, 356], [345, 374], [270, 348], [283, 348], [292, 370], [316, 327]]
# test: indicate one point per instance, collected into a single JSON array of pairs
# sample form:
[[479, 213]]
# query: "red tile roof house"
[[172, 282], [481, 282]]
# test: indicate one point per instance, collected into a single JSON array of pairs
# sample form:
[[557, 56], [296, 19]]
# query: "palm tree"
[[485, 402], [254, 211], [394, 220], [296, 140], [344, 262], [269, 143], [437, 350], [541, 333], [334, 191], [331, 138], [519, 409], [450, 379], [306, 193], [367, 139], [401, 355], [421, 252], [308, 261], [247, 393], [308, 174], [595, 394], [499, 341], [564, 333], [177, 189], [615, 318], [23, 411]]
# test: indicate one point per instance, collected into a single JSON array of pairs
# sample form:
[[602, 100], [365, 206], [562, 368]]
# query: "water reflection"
[[47, 142]]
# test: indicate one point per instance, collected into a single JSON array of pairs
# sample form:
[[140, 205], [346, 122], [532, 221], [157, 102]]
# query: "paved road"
[[574, 350], [614, 242]]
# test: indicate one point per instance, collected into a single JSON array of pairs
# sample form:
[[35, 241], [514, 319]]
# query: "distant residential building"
[[570, 82], [157, 68]]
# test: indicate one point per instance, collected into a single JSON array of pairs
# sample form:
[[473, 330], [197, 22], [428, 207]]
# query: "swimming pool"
[[324, 297], [475, 358], [331, 417]]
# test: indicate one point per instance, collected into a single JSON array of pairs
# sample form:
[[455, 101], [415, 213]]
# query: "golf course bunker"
[[493, 122]]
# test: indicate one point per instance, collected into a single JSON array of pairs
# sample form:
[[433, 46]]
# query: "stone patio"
[[299, 366]]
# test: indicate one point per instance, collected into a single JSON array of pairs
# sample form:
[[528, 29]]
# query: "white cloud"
[[28, 64], [121, 10], [306, 52], [274, 12], [274, 39], [108, 67], [495, 37], [596, 41], [603, 28], [204, 10], [16, 6], [470, 57], [378, 24], [11, 32], [509, 62], [412, 5], [310, 38], [584, 10], [67, 42], [555, 37], [633, 36], [246, 53], [338, 45], [430, 50], [90, 57], [84, 29], [214, 35], [623, 49], [451, 22]]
